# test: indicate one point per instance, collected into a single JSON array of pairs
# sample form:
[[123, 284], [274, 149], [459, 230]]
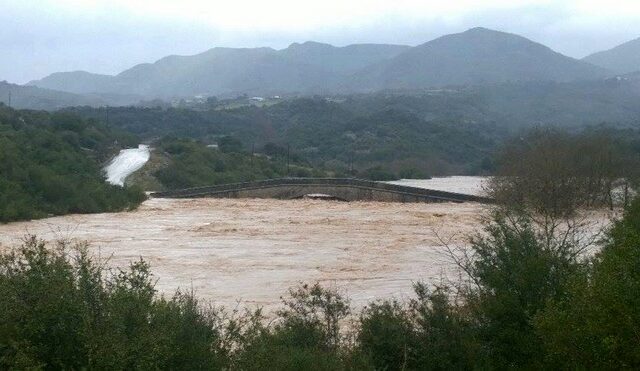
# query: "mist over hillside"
[[623, 59], [300, 68], [33, 97], [410, 133], [477, 56]]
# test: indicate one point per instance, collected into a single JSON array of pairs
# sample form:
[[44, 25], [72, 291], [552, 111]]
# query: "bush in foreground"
[[62, 310], [597, 325]]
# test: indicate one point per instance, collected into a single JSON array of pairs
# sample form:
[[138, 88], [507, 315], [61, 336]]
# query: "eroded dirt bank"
[[253, 250]]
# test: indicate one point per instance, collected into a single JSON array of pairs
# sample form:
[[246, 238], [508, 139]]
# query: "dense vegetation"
[[192, 163], [390, 135], [50, 164], [595, 325], [377, 136], [338, 136], [556, 173], [528, 301]]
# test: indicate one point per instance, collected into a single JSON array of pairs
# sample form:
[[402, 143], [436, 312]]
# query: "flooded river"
[[470, 185], [254, 249]]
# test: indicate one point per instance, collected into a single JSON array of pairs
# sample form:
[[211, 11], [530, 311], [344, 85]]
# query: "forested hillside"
[[51, 164], [338, 136], [421, 132], [192, 164]]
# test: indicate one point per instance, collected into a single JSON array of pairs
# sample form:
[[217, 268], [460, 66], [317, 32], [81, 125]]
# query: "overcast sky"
[[38, 37]]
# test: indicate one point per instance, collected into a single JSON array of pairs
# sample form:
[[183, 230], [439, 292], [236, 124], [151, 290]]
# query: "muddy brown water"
[[253, 250]]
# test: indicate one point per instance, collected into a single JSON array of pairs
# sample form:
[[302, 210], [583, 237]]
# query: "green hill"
[[622, 59], [476, 56], [51, 164]]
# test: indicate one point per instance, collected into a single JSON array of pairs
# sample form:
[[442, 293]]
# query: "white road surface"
[[126, 163]]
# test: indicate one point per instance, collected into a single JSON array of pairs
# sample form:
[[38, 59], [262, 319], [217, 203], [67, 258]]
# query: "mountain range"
[[32, 97], [623, 59], [300, 68], [474, 57]]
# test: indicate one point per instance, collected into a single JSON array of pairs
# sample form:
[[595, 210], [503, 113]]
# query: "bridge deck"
[[347, 189]]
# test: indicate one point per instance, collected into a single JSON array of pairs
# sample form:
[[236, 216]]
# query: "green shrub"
[[50, 164], [515, 272], [378, 173], [428, 333], [387, 336], [305, 336], [62, 310], [596, 325], [193, 164]]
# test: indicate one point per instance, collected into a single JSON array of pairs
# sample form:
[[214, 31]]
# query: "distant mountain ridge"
[[622, 59], [33, 97], [77, 82], [475, 56], [299, 68]]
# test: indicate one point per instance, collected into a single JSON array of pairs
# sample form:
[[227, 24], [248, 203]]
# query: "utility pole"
[[9, 97], [287, 159], [253, 151], [351, 164]]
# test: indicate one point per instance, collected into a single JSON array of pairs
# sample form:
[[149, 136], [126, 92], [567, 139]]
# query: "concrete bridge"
[[340, 189]]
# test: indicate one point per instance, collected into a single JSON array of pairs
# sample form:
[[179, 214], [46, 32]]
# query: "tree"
[[513, 270], [306, 333], [60, 309], [553, 173], [228, 144], [387, 336], [596, 325], [429, 333]]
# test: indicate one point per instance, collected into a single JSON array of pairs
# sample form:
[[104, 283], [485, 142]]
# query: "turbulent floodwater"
[[126, 163], [471, 185], [254, 249]]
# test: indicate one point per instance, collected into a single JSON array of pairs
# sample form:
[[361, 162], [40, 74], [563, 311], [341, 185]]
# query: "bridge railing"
[[352, 182]]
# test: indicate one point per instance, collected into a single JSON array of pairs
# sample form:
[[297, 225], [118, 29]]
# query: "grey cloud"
[[35, 43]]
